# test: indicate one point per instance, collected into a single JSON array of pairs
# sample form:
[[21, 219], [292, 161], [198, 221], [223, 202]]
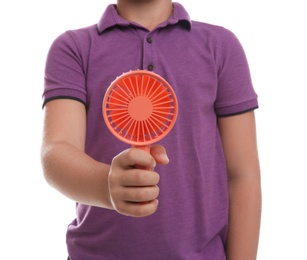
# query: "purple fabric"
[[207, 68]]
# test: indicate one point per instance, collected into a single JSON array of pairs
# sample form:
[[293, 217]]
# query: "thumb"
[[158, 152]]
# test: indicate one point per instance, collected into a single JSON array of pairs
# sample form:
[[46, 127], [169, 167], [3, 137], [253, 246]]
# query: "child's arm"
[[240, 146], [68, 169]]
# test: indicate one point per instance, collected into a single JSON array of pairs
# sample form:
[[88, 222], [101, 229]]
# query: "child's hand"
[[133, 191]]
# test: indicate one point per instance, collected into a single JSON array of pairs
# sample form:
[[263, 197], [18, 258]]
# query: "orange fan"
[[140, 108]]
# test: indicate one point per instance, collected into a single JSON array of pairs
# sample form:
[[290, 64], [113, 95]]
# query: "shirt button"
[[150, 67], [149, 40]]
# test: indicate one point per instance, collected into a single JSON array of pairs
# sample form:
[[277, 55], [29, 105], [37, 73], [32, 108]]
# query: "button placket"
[[148, 53]]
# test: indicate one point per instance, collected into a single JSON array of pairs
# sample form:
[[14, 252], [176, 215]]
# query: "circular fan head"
[[140, 107]]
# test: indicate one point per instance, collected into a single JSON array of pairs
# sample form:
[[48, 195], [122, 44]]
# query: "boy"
[[209, 191]]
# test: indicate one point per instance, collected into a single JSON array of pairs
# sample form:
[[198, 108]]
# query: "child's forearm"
[[76, 175], [244, 218]]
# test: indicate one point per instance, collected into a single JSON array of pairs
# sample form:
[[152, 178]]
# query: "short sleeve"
[[235, 93], [64, 71]]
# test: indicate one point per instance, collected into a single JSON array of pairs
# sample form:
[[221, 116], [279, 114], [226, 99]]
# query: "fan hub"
[[140, 108]]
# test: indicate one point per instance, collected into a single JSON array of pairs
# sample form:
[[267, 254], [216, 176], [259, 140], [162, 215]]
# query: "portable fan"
[[140, 108]]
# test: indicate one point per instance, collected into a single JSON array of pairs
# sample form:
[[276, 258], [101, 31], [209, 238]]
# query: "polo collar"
[[111, 18]]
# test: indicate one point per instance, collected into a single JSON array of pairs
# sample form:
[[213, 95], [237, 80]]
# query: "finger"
[[158, 152], [134, 156], [133, 209], [140, 194], [139, 178]]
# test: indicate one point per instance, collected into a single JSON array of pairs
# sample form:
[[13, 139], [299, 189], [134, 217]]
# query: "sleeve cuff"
[[237, 109], [64, 94]]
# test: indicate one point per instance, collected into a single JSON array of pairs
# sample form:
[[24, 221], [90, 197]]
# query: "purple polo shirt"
[[207, 68]]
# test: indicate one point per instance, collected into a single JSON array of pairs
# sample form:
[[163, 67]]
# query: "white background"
[[33, 216]]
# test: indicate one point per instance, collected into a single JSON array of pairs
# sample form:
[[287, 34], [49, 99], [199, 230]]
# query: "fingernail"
[[164, 157]]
